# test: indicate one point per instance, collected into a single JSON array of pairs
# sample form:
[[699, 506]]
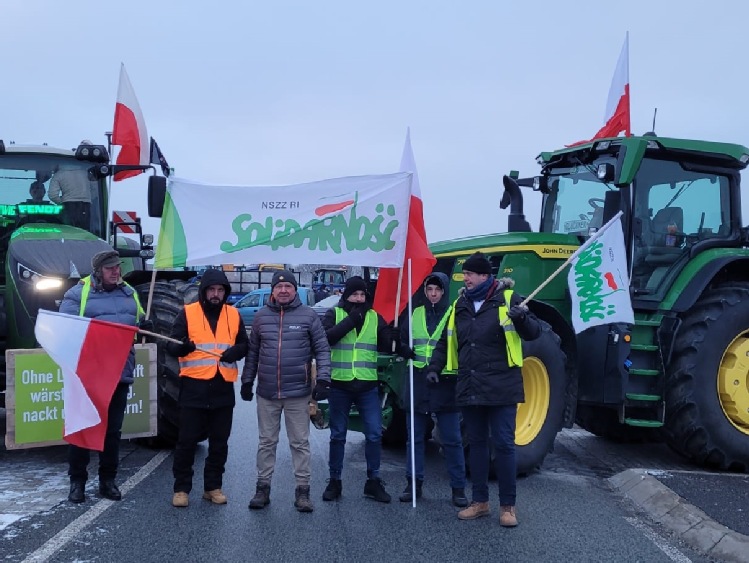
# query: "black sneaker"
[[374, 489], [406, 495], [109, 490], [333, 490]]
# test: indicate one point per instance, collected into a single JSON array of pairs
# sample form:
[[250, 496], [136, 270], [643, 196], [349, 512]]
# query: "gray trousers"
[[296, 419]]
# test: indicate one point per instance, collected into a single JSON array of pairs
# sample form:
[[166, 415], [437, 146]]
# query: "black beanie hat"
[[478, 264], [355, 283], [283, 276], [434, 280]]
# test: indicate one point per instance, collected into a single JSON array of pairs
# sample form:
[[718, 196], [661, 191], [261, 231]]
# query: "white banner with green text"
[[359, 221]]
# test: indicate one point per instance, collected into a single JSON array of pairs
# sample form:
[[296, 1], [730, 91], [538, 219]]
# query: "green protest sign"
[[34, 398]]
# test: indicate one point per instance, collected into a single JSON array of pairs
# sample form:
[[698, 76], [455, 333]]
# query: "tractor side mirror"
[[156, 195]]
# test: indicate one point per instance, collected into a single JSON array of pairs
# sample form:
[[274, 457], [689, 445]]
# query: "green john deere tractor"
[[681, 372], [45, 249]]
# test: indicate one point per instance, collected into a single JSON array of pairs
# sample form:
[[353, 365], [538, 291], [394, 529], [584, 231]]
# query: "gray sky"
[[280, 92]]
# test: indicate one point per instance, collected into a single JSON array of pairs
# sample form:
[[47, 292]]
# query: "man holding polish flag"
[[91, 339]]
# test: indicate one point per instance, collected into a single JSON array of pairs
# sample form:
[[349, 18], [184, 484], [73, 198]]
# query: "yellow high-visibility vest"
[[355, 355]]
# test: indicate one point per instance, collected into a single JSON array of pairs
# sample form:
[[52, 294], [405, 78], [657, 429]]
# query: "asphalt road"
[[567, 512]]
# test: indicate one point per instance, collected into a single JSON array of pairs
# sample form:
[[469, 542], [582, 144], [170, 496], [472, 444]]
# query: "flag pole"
[[574, 255], [150, 299], [411, 386], [170, 339]]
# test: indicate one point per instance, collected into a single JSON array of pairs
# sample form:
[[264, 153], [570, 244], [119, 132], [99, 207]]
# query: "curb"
[[687, 521]]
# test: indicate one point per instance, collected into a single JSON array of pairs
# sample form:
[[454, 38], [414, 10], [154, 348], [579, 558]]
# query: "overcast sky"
[[280, 92]]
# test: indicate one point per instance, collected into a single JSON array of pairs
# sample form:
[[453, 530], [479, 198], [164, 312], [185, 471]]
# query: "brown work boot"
[[262, 496], [216, 496], [507, 517], [180, 500], [475, 510], [303, 502]]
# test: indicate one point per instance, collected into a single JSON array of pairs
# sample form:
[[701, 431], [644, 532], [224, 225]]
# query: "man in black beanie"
[[355, 333], [484, 345]]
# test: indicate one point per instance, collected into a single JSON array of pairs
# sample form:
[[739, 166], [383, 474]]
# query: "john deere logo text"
[[335, 232]]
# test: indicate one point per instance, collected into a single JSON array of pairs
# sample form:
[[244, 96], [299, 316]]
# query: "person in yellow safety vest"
[[483, 342], [213, 340], [435, 396], [356, 333], [105, 296]]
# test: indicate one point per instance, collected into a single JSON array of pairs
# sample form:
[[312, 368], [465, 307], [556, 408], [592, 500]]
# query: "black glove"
[[246, 391], [517, 313], [188, 346], [408, 353], [321, 390], [433, 377], [147, 324], [230, 355], [357, 314]]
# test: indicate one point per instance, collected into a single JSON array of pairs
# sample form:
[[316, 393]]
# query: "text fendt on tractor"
[[46, 249], [680, 373]]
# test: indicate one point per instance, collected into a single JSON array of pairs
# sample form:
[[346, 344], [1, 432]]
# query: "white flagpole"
[[411, 386], [398, 296]]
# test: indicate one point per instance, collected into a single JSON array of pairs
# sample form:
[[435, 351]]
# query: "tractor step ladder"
[[643, 402]]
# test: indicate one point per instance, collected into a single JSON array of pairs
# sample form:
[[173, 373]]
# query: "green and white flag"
[[358, 221], [599, 286]]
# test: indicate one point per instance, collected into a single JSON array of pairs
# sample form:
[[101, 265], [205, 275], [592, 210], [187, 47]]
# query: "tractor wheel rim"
[[532, 413], [733, 383]]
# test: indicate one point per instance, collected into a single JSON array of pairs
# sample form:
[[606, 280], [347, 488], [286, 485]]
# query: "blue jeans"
[[368, 405], [479, 420], [452, 445]]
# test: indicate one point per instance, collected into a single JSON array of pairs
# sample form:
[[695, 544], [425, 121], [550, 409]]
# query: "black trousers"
[[77, 214], [109, 459], [194, 425]]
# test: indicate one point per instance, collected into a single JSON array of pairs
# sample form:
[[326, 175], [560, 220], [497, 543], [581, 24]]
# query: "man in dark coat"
[[432, 396], [213, 341], [486, 328]]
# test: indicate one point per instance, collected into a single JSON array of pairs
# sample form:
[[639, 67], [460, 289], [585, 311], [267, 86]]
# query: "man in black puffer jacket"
[[286, 336], [486, 328], [213, 341]]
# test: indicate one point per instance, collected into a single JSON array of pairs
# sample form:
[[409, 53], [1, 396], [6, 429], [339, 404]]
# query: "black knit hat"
[[283, 276], [434, 280], [355, 283], [478, 264]]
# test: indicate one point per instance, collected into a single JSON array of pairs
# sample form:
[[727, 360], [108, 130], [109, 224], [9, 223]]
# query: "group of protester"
[[466, 357]]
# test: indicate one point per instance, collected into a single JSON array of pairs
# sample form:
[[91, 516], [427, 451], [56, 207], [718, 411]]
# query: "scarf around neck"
[[481, 292]]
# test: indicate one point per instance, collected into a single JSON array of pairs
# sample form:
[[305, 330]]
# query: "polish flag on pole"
[[91, 355], [392, 294], [129, 130], [617, 118]]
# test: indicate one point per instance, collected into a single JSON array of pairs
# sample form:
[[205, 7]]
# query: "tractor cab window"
[[575, 204], [29, 193], [673, 216]]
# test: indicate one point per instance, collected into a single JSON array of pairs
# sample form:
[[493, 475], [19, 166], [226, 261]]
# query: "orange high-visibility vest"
[[199, 364]]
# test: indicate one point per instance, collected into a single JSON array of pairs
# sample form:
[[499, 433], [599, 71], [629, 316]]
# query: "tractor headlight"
[[40, 283], [148, 240]]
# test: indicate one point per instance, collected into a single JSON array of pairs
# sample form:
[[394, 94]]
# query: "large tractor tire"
[[707, 397], [541, 416], [169, 298]]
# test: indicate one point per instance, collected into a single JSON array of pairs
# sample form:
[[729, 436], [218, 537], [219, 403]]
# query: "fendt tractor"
[[46, 250], [680, 373]]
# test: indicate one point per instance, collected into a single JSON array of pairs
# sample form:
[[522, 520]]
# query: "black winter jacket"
[[335, 332], [430, 397], [484, 376], [216, 392], [283, 341]]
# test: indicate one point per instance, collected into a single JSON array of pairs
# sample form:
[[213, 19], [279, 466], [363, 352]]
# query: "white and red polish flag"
[[386, 301], [617, 119], [129, 130], [91, 355]]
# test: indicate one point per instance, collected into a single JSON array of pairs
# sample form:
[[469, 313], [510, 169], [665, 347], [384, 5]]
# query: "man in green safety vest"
[[435, 395], [483, 342], [355, 333]]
